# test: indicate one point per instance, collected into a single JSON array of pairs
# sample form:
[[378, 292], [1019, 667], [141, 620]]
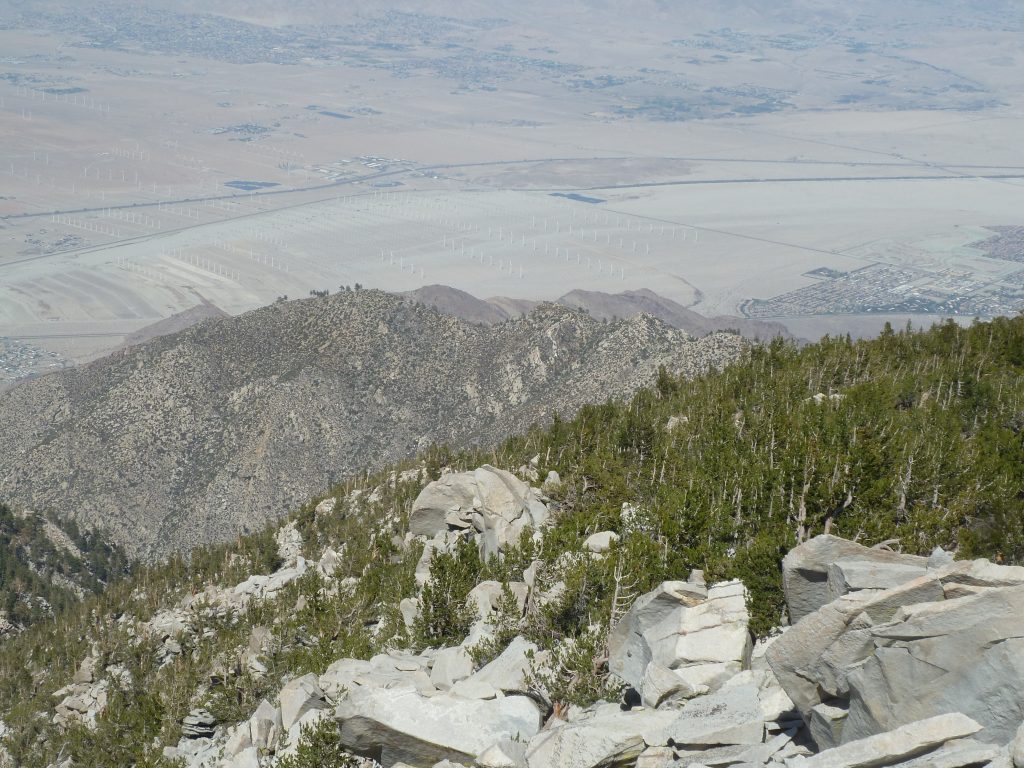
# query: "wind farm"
[[141, 177]]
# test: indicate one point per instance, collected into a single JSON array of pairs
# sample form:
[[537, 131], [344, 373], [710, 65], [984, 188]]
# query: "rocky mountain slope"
[[660, 582], [600, 305], [46, 564], [203, 435]]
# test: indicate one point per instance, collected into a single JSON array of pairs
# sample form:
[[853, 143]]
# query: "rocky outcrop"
[[898, 662], [202, 435], [888, 640], [496, 505], [681, 640]]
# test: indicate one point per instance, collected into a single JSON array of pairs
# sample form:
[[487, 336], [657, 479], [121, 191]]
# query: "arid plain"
[[825, 172]]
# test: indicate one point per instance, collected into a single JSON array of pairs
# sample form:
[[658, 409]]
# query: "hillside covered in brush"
[[915, 439], [206, 434], [47, 564]]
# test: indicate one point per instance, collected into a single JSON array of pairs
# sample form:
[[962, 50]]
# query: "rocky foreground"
[[888, 660], [210, 433]]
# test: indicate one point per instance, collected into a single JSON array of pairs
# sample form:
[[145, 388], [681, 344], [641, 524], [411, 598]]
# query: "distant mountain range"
[[602, 306], [213, 431]]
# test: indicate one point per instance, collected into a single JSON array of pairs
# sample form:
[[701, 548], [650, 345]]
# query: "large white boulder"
[[298, 697], [629, 650], [732, 715], [600, 542], [699, 633], [801, 656], [805, 571], [508, 672], [401, 725], [964, 655], [606, 739], [907, 741], [494, 503]]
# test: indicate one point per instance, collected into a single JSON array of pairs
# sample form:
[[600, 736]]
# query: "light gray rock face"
[[450, 666], [805, 571], [496, 505], [826, 725], [943, 637], [600, 542], [963, 655], [486, 490], [732, 715], [265, 725], [298, 697], [454, 493], [607, 739], [508, 672], [907, 741], [393, 725], [800, 658], [342, 675], [698, 633]]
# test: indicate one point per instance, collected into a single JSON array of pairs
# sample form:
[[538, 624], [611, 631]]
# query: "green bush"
[[320, 747], [445, 616]]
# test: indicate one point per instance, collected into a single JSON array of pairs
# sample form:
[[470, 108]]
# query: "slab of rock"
[[298, 697], [265, 725], [401, 725], [959, 753], [504, 754], [471, 688], [657, 757], [661, 684], [854, 574], [805, 570], [608, 739], [198, 723], [726, 717], [964, 655], [796, 655], [450, 666], [600, 542], [652, 625], [246, 758], [907, 741], [507, 673], [826, 725], [341, 675]]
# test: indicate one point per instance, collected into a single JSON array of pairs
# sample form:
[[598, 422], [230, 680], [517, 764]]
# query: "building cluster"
[[888, 289], [19, 360]]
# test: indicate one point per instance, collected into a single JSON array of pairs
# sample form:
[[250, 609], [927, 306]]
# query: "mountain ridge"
[[211, 432], [598, 304]]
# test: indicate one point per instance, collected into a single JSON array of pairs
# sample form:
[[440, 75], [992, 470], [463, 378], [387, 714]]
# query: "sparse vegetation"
[[915, 437]]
